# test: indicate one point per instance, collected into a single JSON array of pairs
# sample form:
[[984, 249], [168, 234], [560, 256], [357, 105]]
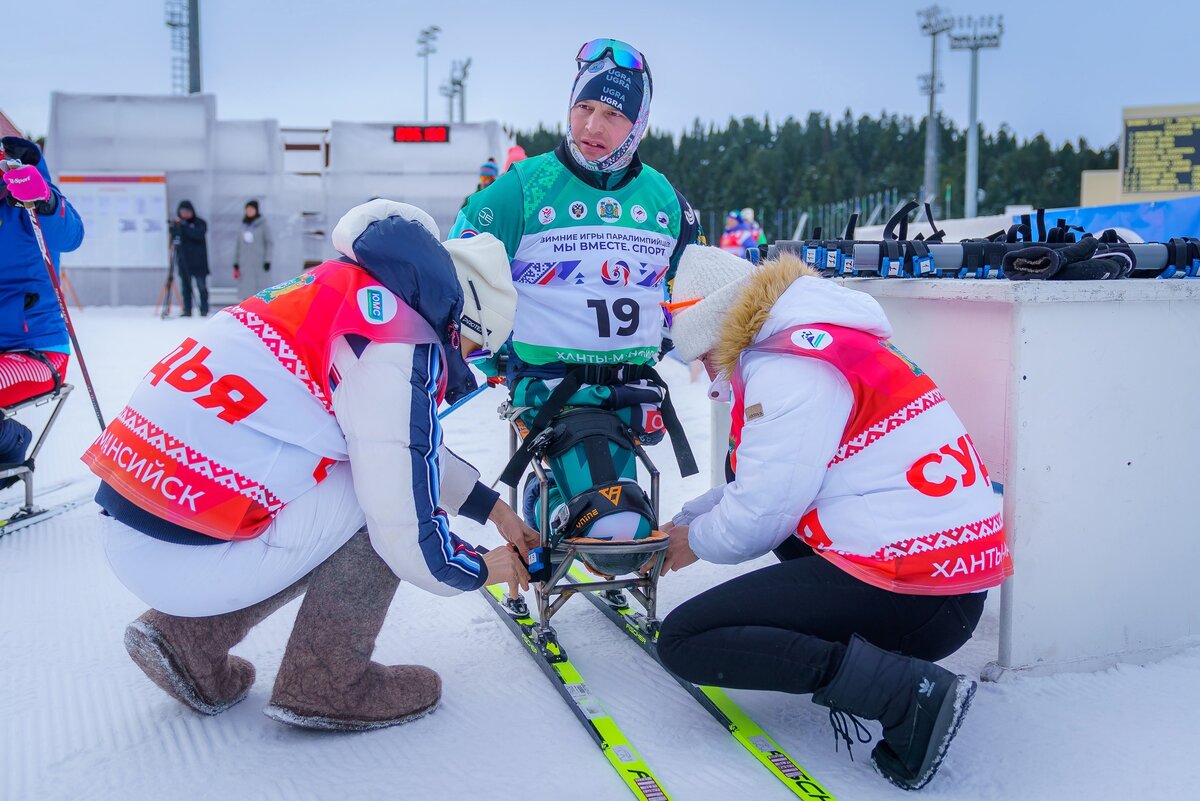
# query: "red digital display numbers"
[[421, 133]]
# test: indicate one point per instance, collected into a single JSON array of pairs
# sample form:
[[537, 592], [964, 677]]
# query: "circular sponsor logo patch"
[[485, 216], [615, 273], [467, 233], [577, 210], [812, 339], [662, 219], [609, 209], [546, 215], [378, 306], [638, 213]]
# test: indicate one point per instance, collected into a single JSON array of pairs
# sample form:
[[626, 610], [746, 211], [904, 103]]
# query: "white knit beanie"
[[489, 297], [355, 221], [717, 278]]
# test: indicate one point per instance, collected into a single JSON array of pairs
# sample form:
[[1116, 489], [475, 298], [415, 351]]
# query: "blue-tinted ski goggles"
[[622, 54]]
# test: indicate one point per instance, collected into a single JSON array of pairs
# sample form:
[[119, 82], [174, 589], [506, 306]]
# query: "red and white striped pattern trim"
[[877, 431], [943, 539], [23, 377], [198, 462], [281, 350]]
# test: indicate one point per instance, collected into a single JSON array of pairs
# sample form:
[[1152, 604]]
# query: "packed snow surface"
[[79, 721]]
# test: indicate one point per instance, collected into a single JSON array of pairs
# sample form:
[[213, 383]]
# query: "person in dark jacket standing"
[[34, 347], [188, 233]]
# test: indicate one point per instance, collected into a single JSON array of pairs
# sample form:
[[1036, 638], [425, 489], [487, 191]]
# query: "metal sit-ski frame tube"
[[552, 594], [21, 471]]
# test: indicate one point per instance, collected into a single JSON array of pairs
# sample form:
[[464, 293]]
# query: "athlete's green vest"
[[589, 264]]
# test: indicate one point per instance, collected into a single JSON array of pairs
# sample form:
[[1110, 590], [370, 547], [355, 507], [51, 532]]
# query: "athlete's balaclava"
[[628, 92]]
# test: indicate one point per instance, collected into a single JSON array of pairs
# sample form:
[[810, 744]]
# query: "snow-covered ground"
[[79, 721]]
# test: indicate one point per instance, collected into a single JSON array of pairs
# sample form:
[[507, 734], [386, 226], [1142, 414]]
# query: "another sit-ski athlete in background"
[[293, 446], [34, 347], [848, 462], [593, 235]]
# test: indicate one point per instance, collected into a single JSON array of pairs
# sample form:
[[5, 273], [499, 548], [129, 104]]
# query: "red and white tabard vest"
[[906, 504], [237, 421]]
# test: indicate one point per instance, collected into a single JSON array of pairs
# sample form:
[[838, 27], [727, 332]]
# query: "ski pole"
[[62, 308], [491, 382], [62, 303]]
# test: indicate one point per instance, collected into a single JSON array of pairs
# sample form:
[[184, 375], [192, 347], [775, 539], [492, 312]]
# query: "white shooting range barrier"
[[221, 164], [1077, 396]]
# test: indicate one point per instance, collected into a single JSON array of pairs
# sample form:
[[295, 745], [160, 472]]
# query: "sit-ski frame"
[[552, 594], [21, 470]]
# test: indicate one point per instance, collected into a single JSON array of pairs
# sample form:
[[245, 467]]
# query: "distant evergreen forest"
[[784, 169]]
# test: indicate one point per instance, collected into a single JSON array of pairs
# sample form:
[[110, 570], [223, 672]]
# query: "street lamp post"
[[974, 34], [933, 22], [426, 40]]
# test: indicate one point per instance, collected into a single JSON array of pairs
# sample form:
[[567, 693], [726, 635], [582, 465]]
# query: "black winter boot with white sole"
[[920, 705]]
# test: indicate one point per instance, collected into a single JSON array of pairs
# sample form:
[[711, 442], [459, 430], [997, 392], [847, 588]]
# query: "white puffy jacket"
[[783, 454], [385, 406]]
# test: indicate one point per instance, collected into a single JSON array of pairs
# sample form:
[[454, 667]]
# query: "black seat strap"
[[37, 355]]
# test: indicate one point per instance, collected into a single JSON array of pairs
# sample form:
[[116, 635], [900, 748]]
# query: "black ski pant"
[[186, 277], [786, 627]]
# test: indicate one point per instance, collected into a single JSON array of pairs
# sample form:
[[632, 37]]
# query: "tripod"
[[162, 306]]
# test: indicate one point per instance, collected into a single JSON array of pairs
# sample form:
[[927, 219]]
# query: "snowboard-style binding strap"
[[601, 501], [596, 554]]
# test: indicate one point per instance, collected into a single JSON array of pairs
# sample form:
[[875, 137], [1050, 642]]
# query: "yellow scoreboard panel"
[[1160, 150]]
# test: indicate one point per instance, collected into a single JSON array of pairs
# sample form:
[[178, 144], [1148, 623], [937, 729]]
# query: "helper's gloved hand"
[[237, 273], [266, 266], [26, 185]]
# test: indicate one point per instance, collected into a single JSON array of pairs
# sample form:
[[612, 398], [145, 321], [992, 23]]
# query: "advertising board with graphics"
[[125, 217], [1155, 221]]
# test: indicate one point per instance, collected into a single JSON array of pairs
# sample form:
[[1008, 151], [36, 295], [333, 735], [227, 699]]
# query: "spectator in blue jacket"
[[34, 347]]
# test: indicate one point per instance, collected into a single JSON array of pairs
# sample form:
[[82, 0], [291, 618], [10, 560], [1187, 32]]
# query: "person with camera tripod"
[[34, 347], [190, 248]]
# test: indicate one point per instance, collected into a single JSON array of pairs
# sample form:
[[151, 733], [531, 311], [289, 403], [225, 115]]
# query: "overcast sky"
[[1064, 68]]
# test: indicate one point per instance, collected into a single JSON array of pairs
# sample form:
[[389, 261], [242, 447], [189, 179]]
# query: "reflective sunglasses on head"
[[622, 54]]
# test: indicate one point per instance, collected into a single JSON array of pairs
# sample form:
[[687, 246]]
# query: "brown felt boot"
[[189, 658], [327, 679]]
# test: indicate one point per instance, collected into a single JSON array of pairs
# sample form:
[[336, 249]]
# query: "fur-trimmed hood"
[[786, 292]]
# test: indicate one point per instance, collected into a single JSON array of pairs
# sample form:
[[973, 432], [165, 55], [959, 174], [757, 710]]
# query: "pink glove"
[[27, 185]]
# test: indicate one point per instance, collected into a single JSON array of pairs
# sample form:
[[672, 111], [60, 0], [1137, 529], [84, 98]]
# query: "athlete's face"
[[467, 345], [598, 128]]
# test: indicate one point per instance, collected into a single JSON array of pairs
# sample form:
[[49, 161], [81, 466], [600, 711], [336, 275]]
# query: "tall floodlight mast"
[[974, 34], [425, 42], [183, 18], [934, 21]]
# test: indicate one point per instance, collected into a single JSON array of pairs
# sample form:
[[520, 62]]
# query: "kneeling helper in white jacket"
[[292, 445]]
